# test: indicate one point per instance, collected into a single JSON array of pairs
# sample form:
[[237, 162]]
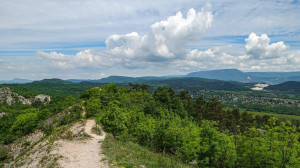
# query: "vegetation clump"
[[196, 131], [170, 124]]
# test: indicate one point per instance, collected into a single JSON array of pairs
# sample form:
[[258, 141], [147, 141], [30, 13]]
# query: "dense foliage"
[[273, 102], [52, 87], [291, 86], [198, 131], [21, 119]]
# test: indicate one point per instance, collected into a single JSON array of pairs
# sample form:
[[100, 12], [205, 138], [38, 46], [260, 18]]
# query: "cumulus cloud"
[[260, 55], [259, 47], [294, 57], [83, 59], [214, 58], [265, 56], [167, 40], [165, 47]]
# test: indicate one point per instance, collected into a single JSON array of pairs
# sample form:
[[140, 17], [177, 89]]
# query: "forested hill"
[[239, 76], [52, 87], [274, 74], [191, 84], [220, 74], [197, 132], [291, 86], [178, 83], [126, 79], [16, 80], [223, 74]]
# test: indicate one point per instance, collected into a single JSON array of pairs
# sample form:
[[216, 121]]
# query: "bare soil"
[[81, 153]]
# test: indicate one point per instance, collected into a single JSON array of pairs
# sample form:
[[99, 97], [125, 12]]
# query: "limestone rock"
[[2, 114], [43, 98], [10, 97]]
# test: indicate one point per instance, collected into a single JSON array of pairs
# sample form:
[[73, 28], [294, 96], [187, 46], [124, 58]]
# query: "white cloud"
[[260, 56], [84, 59], [259, 47], [167, 40], [154, 50], [294, 57], [132, 52]]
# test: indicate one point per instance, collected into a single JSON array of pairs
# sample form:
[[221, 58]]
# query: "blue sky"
[[94, 39]]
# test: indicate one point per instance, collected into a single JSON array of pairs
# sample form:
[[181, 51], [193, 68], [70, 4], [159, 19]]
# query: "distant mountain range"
[[176, 82], [16, 80], [222, 74], [239, 76], [46, 86]]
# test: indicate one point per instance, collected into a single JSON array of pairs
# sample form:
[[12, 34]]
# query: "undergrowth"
[[131, 155]]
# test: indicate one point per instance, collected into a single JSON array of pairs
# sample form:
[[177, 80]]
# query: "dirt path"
[[82, 154]]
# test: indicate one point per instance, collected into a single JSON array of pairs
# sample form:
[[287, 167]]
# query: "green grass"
[[282, 117], [131, 155]]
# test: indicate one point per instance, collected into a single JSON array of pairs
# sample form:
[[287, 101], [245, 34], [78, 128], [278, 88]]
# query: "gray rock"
[[43, 98], [2, 114], [10, 97]]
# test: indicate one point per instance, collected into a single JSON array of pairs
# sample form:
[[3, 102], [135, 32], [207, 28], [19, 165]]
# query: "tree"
[[237, 116], [200, 107], [114, 120], [139, 87], [216, 149], [24, 124], [93, 106], [246, 121], [164, 95], [284, 144]]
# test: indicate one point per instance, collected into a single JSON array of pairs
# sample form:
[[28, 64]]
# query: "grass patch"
[[281, 117], [96, 129], [131, 155]]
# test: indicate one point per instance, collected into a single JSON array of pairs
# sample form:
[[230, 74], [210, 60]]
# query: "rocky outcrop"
[[10, 97], [2, 114], [42, 98]]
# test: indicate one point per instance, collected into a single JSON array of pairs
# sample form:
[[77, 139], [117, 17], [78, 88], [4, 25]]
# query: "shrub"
[[24, 124], [3, 154]]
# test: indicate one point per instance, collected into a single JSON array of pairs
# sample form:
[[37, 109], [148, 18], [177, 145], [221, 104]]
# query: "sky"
[[92, 39]]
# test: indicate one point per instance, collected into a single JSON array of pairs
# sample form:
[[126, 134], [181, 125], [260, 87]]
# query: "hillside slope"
[[239, 76], [52, 87], [190, 83], [223, 74], [291, 86]]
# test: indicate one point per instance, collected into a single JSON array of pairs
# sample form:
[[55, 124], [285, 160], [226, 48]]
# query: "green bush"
[[24, 124], [3, 154]]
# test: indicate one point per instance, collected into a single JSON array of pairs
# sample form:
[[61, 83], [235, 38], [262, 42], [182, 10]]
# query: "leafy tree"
[[24, 123], [93, 106], [216, 149], [200, 108], [139, 87], [114, 120], [284, 143], [246, 121]]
